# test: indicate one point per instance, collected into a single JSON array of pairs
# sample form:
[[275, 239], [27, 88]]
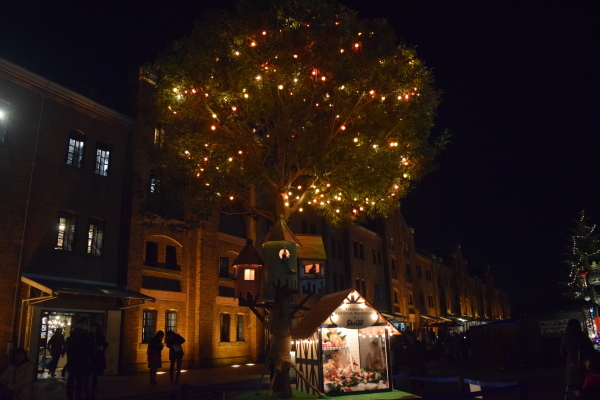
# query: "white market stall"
[[342, 346]]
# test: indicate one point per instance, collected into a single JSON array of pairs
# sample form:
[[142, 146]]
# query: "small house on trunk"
[[342, 346]]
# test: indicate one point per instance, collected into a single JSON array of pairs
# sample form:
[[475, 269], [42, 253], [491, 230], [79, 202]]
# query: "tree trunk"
[[281, 343]]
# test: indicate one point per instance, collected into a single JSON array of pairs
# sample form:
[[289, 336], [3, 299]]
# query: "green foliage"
[[584, 248], [303, 102]]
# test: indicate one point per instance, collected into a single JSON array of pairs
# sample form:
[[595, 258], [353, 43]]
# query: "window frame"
[[95, 238], [75, 149], [150, 244], [239, 328], [225, 328], [149, 323], [102, 165], [171, 320], [224, 273], [66, 231]]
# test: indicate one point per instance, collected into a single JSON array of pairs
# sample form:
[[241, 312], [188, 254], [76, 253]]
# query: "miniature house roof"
[[320, 314], [248, 255], [312, 248], [281, 232]]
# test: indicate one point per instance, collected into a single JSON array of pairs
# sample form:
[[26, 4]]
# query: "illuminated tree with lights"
[[583, 250], [303, 102], [300, 102]]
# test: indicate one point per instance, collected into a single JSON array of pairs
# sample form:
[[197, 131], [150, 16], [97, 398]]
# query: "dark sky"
[[521, 97]]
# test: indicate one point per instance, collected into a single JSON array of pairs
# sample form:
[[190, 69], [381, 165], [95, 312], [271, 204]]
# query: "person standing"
[[97, 360], [55, 345], [79, 348], [174, 342], [576, 348], [19, 376], [154, 352]]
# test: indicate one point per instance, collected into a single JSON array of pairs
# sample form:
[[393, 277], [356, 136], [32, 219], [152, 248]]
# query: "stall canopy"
[[53, 285], [320, 314]]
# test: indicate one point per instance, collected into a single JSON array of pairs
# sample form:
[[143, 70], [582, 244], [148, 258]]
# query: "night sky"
[[521, 97]]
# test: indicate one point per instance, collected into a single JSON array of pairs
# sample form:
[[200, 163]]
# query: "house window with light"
[[148, 325], [95, 237], [249, 274], [171, 321], [66, 231], [102, 158], [75, 149]]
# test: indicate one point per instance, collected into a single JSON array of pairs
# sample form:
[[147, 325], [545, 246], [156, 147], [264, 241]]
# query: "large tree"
[[300, 101]]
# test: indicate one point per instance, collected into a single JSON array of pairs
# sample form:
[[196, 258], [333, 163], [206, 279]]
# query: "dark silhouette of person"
[[174, 342], [55, 345], [19, 376], [576, 348], [97, 360], [416, 356], [79, 348], [154, 353]]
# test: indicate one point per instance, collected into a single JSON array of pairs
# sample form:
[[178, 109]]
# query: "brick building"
[[80, 238], [63, 163]]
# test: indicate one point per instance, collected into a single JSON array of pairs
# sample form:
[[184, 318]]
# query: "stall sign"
[[354, 316]]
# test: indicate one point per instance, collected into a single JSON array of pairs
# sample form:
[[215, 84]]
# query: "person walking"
[[97, 360], [174, 342], [79, 349], [18, 377], [55, 345], [154, 352], [575, 348]]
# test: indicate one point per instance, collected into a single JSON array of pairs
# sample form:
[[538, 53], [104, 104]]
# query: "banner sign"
[[354, 316]]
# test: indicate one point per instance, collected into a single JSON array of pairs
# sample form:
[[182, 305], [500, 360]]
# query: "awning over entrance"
[[53, 285]]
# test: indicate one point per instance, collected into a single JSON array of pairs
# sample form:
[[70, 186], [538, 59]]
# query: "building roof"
[[312, 247], [321, 312], [248, 255], [281, 232]]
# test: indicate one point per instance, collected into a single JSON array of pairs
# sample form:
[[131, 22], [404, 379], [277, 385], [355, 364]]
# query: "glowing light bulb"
[[213, 127]]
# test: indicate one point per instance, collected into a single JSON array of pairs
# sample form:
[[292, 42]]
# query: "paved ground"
[[544, 383]]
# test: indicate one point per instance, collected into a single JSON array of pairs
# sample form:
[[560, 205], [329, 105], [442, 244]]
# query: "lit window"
[[75, 151], [171, 321], [248, 274], [66, 231], [148, 325], [239, 331], [95, 237], [312, 269], [102, 157], [225, 325]]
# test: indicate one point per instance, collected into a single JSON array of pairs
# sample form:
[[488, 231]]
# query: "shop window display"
[[354, 360]]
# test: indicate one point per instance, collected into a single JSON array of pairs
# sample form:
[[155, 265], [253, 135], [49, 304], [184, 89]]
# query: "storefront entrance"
[[49, 321]]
